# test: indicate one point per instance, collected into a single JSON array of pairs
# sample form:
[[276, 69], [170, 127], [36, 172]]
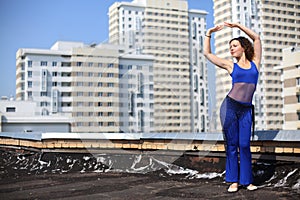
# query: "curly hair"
[[247, 46]]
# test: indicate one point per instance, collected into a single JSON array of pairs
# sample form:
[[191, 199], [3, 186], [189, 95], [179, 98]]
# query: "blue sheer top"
[[244, 83]]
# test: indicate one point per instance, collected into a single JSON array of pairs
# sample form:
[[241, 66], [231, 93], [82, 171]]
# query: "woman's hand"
[[231, 25], [215, 29]]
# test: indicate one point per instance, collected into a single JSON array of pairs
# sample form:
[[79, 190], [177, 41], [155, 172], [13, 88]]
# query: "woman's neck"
[[243, 62]]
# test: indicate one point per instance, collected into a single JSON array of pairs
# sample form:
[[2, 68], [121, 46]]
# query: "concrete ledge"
[[278, 142], [280, 135]]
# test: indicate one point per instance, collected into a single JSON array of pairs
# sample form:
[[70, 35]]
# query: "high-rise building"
[[136, 94], [173, 34], [85, 80], [278, 23], [290, 68]]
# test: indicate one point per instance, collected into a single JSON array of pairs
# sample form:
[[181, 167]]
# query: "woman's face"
[[236, 50]]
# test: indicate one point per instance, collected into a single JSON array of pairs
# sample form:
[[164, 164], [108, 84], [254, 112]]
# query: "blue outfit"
[[236, 115]]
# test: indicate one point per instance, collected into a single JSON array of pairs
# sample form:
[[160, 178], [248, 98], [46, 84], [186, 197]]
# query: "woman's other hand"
[[231, 25], [215, 29]]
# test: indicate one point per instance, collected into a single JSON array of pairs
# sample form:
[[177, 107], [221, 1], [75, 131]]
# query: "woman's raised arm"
[[220, 62], [254, 36]]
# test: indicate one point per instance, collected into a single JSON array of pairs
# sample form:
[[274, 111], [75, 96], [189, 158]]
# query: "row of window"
[[92, 104], [68, 64], [166, 21], [111, 65], [92, 94], [162, 14], [109, 124], [80, 124]]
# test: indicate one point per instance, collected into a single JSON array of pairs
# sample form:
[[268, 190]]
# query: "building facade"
[[278, 23], [173, 34], [290, 77], [23, 117], [79, 79], [136, 92]]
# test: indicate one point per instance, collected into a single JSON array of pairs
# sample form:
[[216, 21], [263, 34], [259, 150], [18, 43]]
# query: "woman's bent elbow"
[[205, 53]]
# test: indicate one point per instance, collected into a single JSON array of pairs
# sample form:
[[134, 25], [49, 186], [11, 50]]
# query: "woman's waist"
[[240, 102]]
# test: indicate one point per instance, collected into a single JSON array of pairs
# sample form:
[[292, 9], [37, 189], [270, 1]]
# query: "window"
[[43, 84], [79, 124], [79, 84], [110, 75], [79, 74], [43, 63], [29, 73], [43, 103], [140, 105], [54, 64], [29, 63], [79, 114], [79, 64], [66, 64], [29, 94], [29, 84], [79, 104], [110, 114], [298, 81], [10, 109]]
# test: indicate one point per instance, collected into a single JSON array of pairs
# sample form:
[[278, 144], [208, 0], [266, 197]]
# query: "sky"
[[40, 23]]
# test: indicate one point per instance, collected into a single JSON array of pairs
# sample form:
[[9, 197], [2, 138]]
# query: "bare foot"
[[233, 187], [251, 187]]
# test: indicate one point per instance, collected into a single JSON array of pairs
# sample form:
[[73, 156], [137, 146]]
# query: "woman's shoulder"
[[254, 64]]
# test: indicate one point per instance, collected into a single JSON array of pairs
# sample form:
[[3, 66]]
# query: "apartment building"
[[278, 23], [136, 93], [173, 34], [290, 77], [80, 79]]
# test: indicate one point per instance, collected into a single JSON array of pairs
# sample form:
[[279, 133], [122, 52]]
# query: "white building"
[[290, 77], [173, 34], [278, 23], [79, 79], [22, 116], [136, 93]]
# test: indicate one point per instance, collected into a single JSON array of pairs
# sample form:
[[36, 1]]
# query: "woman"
[[236, 113]]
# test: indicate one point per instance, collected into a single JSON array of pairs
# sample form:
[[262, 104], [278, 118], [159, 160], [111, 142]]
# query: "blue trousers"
[[236, 120]]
